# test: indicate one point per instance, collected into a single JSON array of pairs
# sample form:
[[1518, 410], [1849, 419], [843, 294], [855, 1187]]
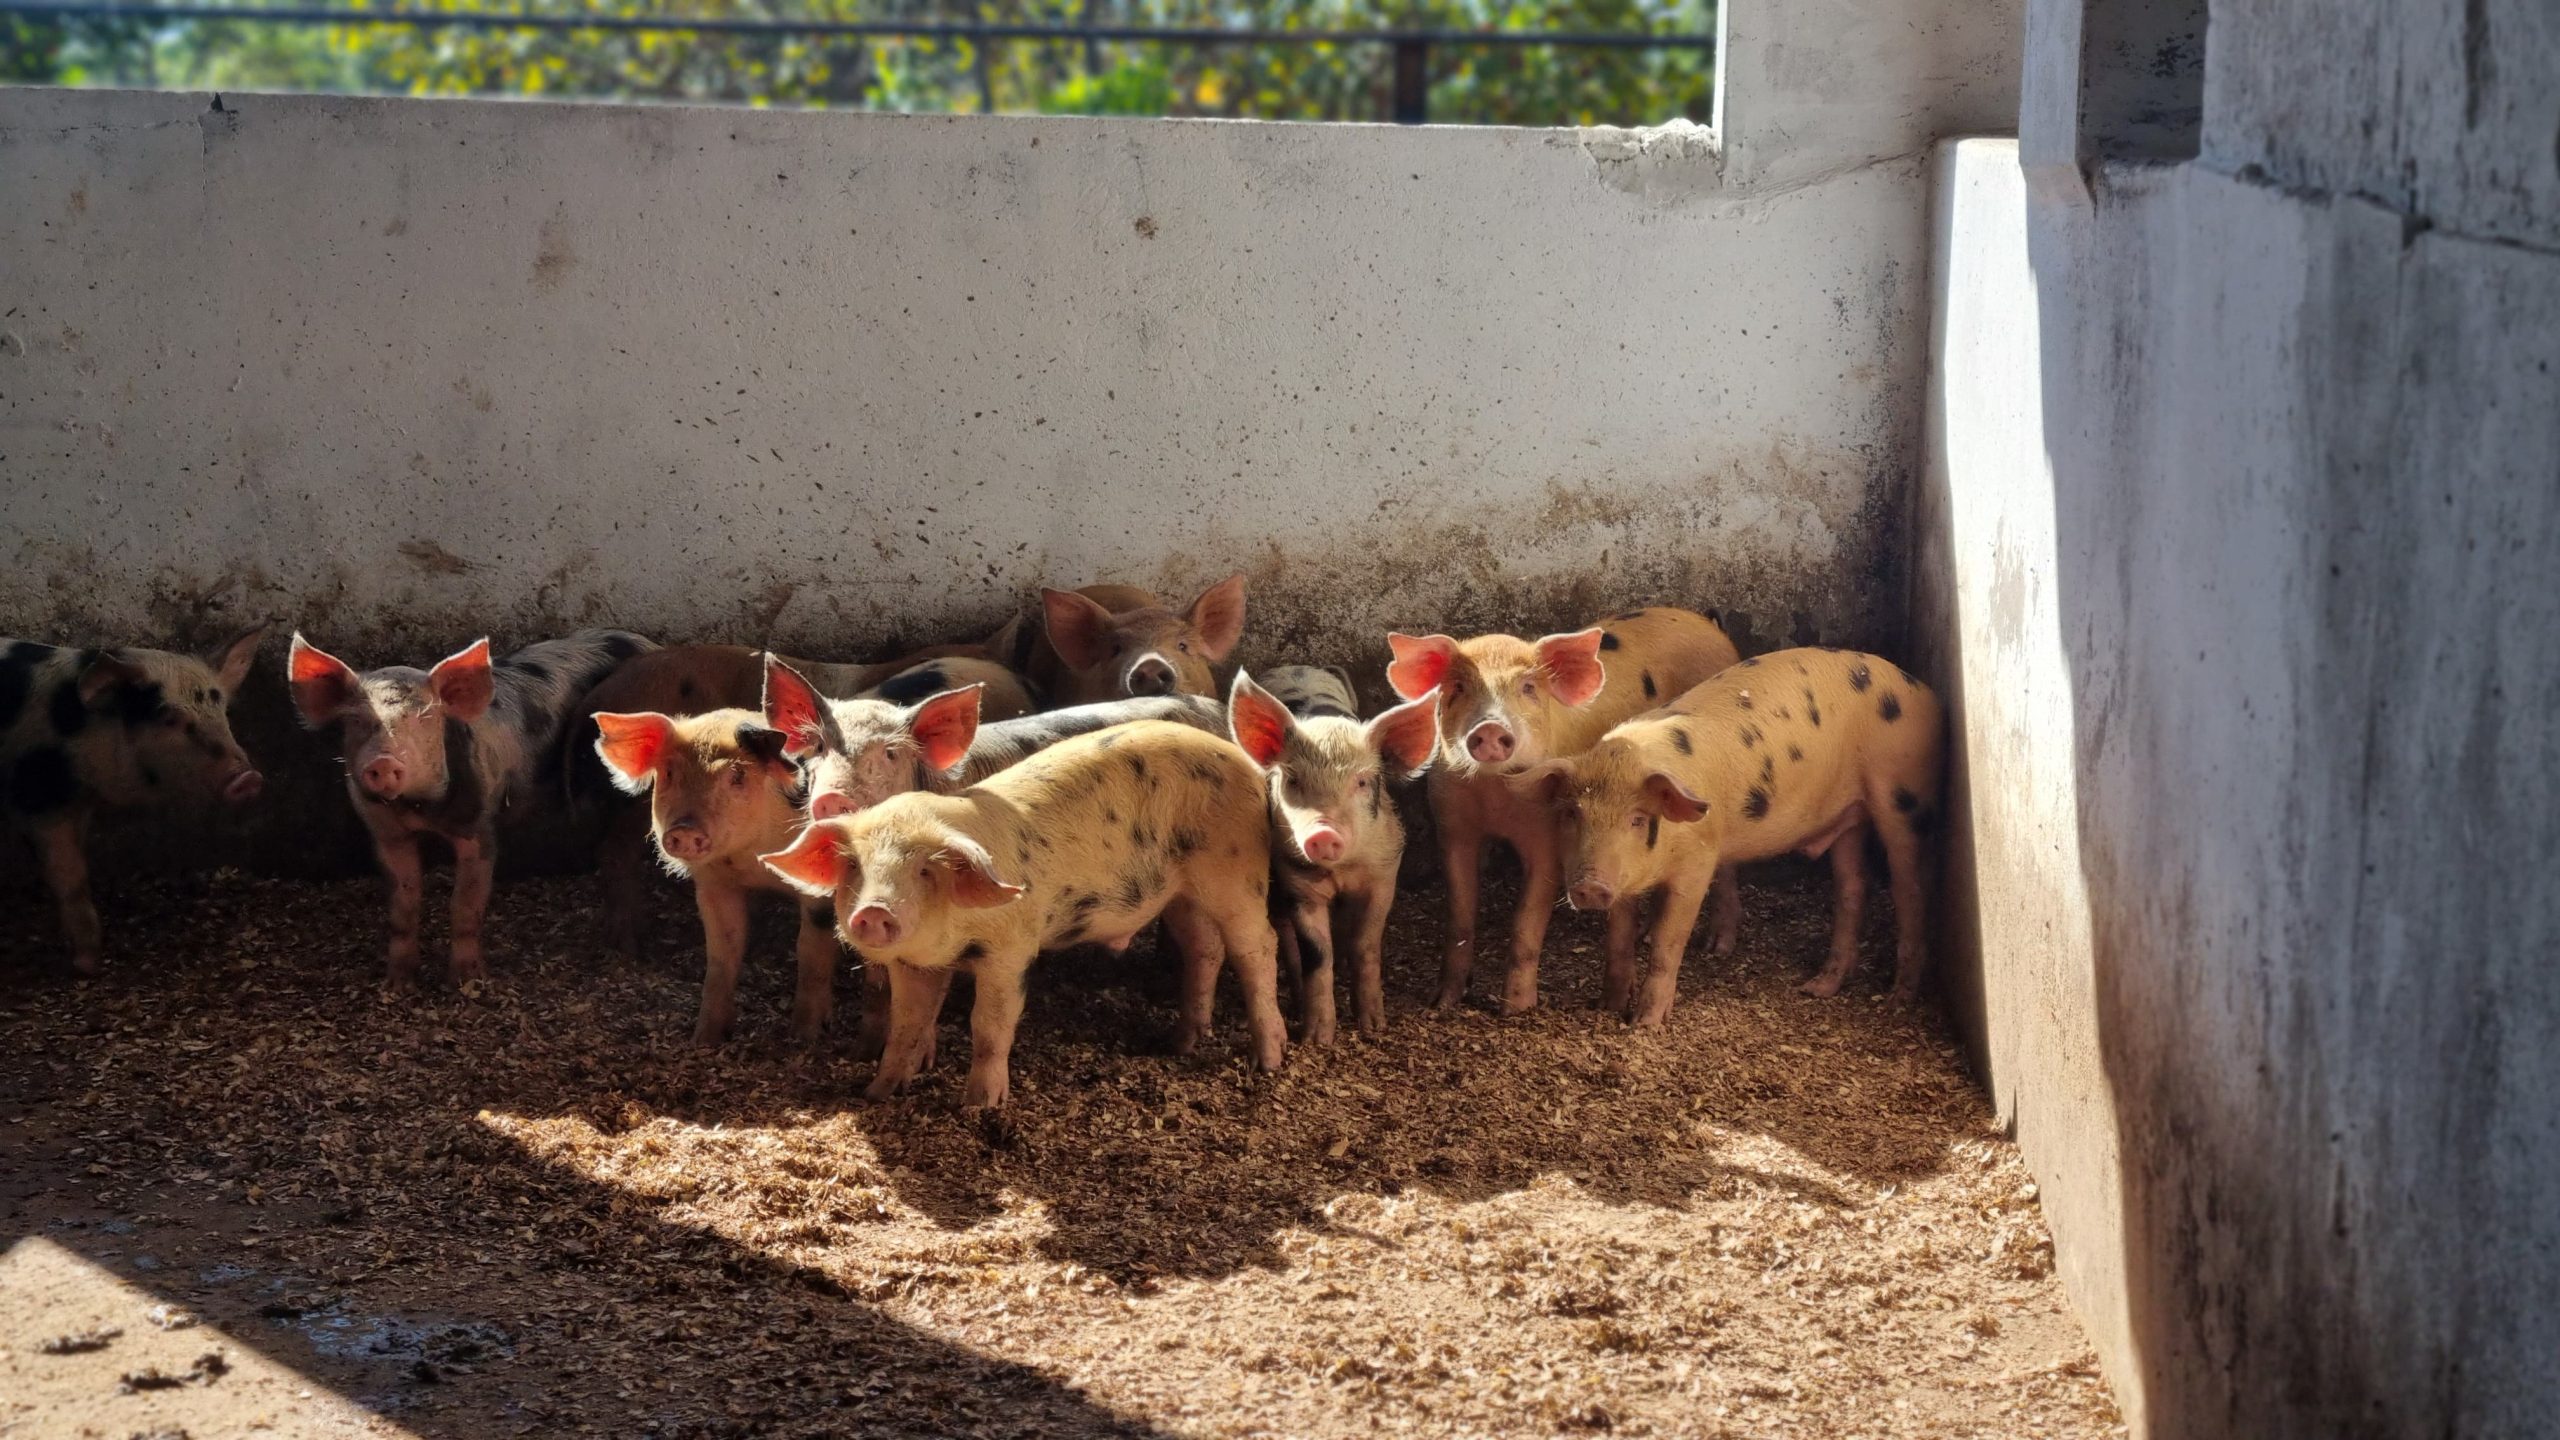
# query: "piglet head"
[[1147, 651], [404, 734], [1328, 775], [171, 713], [1501, 698], [719, 784], [903, 884], [873, 749], [1612, 805]]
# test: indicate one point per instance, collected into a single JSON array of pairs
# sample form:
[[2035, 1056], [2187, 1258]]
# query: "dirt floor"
[[241, 1192]]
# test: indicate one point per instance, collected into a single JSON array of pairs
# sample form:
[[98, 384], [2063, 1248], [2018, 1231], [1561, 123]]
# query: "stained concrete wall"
[[2239, 523], [402, 372]]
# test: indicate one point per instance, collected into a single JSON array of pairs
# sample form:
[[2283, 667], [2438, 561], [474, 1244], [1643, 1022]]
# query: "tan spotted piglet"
[[1336, 842], [1801, 750], [1086, 842], [1508, 703]]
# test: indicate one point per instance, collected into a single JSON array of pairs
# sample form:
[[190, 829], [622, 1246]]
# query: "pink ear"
[[1217, 617], [974, 885], [1572, 663], [792, 706], [632, 746], [1421, 663], [231, 663], [322, 683], [1259, 722], [1079, 628], [1406, 735], [462, 681], [813, 863], [945, 724], [1673, 798]]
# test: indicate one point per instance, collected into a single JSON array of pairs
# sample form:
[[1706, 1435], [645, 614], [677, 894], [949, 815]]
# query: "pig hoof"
[[882, 1087], [1186, 1039], [1318, 1035], [708, 1035], [1907, 994], [1821, 987], [1724, 945], [87, 964], [1651, 1019], [984, 1095]]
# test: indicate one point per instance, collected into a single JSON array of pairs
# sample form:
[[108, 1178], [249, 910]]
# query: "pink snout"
[[874, 925], [383, 776], [685, 840], [1324, 844], [1152, 675], [1589, 894], [828, 805], [1490, 743], [243, 787]]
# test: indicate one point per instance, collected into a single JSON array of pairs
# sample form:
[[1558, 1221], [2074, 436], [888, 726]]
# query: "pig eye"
[[738, 777], [1635, 822], [1529, 688], [1364, 782], [171, 716], [1182, 645]]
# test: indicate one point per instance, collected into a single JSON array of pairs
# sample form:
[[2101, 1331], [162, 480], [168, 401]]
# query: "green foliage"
[[1474, 84]]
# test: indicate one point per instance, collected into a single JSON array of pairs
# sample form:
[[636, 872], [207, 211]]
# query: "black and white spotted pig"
[[1336, 841], [446, 752], [1801, 750], [121, 728], [1087, 842]]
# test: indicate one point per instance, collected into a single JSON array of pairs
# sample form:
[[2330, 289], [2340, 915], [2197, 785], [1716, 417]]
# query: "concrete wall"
[[403, 372], [2238, 528]]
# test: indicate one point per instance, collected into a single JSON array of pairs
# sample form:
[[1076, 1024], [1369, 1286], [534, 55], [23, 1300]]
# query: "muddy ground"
[[241, 1192]]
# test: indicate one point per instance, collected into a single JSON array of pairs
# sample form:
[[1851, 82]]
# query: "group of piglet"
[[928, 814]]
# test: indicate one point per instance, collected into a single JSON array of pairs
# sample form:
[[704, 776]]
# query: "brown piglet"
[[1800, 750], [1336, 841], [1113, 642], [1507, 704], [1086, 842]]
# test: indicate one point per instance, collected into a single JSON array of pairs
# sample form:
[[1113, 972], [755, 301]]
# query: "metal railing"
[[1409, 50]]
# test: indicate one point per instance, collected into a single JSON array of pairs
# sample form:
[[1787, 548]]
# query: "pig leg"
[[1196, 938], [1292, 972], [1541, 884], [992, 1019], [1728, 898], [1252, 953], [1618, 980], [1310, 924], [723, 909], [622, 858], [1675, 917], [1462, 868], [398, 853], [1365, 918], [1848, 906], [915, 1003], [66, 874], [1902, 860], [813, 1003], [475, 869], [873, 1032]]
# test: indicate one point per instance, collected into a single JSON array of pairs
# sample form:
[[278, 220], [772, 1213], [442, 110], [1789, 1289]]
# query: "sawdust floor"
[[302, 1210]]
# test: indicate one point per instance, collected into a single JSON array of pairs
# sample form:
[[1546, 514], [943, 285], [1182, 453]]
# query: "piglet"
[[1336, 841], [1802, 750], [446, 752], [1508, 703], [1086, 842], [721, 792], [695, 679], [125, 728], [1110, 642]]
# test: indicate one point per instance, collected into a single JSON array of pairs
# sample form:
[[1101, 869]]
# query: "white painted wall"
[[404, 371]]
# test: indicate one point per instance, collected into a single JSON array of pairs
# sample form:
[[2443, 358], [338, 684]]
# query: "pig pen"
[[838, 382], [541, 1210]]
